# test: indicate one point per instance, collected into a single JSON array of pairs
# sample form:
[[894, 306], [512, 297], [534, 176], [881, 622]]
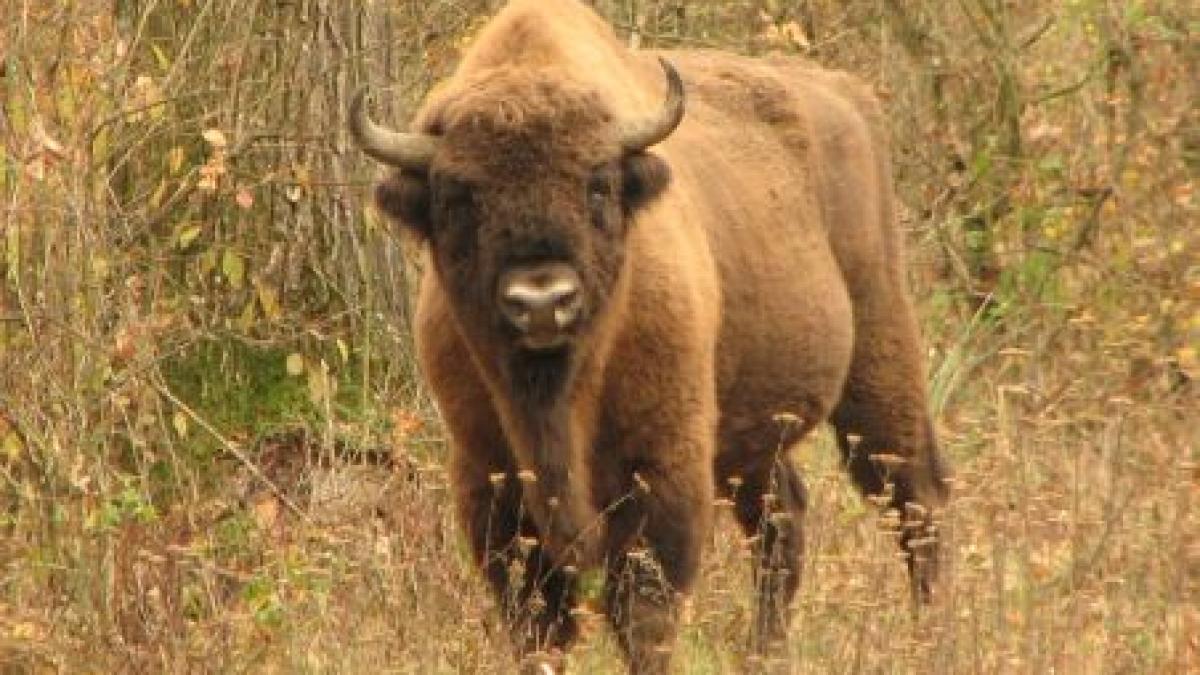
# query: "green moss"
[[238, 387], [245, 390]]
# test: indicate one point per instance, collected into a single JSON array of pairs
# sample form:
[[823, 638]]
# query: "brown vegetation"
[[190, 274]]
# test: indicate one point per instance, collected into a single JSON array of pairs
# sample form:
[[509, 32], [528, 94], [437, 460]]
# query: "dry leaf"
[[405, 424], [180, 421], [266, 511], [47, 142], [215, 138], [244, 198], [175, 157]]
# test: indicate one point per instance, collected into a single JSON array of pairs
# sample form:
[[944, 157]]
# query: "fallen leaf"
[[405, 423], [266, 511]]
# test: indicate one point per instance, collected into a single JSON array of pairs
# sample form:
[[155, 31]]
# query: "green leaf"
[[268, 298], [187, 235], [1052, 163], [234, 268], [164, 62], [11, 446]]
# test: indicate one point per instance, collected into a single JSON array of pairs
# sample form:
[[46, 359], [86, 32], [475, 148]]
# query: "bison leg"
[[885, 433], [770, 505], [906, 480], [656, 536], [535, 595]]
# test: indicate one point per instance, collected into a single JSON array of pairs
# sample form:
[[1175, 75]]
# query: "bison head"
[[524, 183]]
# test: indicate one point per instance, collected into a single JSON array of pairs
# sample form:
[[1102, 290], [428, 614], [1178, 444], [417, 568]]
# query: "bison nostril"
[[566, 309], [517, 313]]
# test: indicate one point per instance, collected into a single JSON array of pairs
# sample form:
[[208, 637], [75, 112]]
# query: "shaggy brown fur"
[[741, 283]]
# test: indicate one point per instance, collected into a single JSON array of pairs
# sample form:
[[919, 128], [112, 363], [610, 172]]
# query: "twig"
[[1031, 37], [1067, 89]]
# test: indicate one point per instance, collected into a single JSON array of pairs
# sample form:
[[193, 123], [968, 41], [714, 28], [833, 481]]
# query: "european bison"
[[616, 336]]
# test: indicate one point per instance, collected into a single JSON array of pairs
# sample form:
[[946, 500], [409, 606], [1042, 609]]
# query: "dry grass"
[[215, 455]]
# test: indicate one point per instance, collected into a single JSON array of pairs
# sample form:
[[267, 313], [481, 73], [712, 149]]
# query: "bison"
[[635, 306]]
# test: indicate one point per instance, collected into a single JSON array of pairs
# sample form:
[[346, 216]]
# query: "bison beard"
[[542, 430], [539, 378], [557, 493]]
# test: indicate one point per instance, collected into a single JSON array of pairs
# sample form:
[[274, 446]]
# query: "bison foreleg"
[[535, 595], [770, 507], [656, 536]]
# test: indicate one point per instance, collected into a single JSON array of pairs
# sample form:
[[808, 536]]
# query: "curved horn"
[[394, 148], [643, 133]]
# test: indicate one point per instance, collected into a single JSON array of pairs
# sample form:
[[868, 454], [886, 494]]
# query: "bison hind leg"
[[883, 422], [903, 472]]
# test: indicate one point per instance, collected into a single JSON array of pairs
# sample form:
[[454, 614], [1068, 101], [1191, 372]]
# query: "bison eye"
[[455, 202], [455, 193], [599, 193], [600, 184]]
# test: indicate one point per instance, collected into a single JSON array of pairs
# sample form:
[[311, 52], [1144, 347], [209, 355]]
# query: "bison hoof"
[[541, 663]]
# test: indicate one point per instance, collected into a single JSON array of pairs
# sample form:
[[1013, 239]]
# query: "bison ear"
[[644, 177], [404, 197]]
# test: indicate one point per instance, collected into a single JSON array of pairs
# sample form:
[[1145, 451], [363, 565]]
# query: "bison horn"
[[641, 134], [394, 148]]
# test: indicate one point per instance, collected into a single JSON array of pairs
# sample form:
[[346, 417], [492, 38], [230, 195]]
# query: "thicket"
[[215, 453]]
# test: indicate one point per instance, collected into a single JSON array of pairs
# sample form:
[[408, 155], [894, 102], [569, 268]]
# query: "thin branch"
[[229, 447]]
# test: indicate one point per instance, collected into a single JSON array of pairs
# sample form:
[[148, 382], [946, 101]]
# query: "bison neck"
[[540, 381]]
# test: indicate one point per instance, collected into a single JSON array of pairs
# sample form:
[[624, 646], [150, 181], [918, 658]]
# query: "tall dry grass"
[[215, 454]]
